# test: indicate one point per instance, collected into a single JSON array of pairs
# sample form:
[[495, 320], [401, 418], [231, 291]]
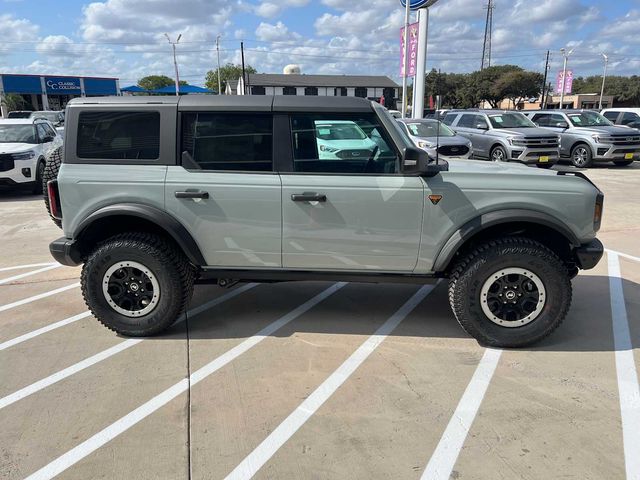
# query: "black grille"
[[354, 154], [453, 150], [543, 142], [6, 162], [625, 140]]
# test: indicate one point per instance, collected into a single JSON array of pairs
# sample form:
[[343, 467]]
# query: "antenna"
[[488, 31]]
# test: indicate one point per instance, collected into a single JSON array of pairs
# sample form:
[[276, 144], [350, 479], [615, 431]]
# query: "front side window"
[[228, 141], [510, 120], [119, 135], [17, 133], [347, 144], [588, 119], [629, 117]]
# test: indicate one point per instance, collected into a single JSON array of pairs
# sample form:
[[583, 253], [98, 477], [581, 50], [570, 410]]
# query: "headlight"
[[516, 140], [423, 144], [596, 138], [324, 148], [24, 155]]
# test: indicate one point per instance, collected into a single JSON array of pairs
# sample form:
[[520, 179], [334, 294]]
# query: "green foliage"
[[154, 82], [624, 89], [228, 73], [13, 102]]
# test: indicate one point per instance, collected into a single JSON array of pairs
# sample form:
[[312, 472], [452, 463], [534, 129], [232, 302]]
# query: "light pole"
[[421, 66], [564, 74], [175, 62], [218, 50], [405, 60], [604, 77]]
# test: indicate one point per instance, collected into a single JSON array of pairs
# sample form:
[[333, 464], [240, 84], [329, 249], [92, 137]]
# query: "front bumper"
[[589, 255], [609, 153], [66, 252], [534, 156]]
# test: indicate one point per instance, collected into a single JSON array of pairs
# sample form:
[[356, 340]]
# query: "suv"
[[588, 137], [24, 145], [503, 136], [628, 117], [156, 194]]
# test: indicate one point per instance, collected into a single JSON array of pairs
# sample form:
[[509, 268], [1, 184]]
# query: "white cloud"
[[273, 9]]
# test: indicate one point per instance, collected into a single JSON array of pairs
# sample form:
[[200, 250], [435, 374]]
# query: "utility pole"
[[405, 60], [244, 88], [604, 77], [543, 104], [488, 32], [564, 74], [175, 61], [218, 50]]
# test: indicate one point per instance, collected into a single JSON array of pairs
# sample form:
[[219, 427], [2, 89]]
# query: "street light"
[[564, 73], [175, 62], [604, 77], [421, 66], [218, 50]]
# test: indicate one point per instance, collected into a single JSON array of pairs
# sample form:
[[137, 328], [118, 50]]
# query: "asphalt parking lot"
[[316, 380]]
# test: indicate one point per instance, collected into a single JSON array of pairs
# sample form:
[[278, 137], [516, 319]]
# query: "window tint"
[[289, 91], [629, 117], [449, 118], [349, 144], [119, 135], [467, 121], [50, 131], [225, 141], [42, 132], [613, 116], [549, 120], [311, 91]]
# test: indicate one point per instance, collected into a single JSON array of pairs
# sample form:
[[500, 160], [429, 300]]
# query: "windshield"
[[588, 119], [339, 131], [430, 129], [17, 134], [510, 120]]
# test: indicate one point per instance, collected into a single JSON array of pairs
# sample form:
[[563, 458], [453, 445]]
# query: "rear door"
[[224, 189], [348, 208]]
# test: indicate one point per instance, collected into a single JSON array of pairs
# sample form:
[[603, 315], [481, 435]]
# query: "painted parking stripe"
[[624, 255], [629, 391], [90, 445], [446, 453], [22, 267], [24, 301], [105, 354], [269, 446], [40, 331], [28, 274]]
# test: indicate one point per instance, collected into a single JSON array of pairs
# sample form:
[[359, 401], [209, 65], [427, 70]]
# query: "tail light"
[[598, 211], [54, 199]]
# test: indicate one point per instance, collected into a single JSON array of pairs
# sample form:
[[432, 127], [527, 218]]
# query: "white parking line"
[[109, 352], [28, 274], [40, 331], [624, 255], [79, 452], [37, 297], [626, 370], [270, 445], [446, 453], [22, 267]]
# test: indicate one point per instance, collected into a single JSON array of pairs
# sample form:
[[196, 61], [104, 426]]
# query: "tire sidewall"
[[589, 160], [504, 154]]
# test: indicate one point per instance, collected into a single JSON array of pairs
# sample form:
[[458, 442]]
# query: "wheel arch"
[[529, 223], [578, 143], [127, 217]]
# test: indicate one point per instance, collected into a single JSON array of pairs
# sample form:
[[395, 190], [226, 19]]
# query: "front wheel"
[[510, 292], [498, 154], [581, 156], [137, 284]]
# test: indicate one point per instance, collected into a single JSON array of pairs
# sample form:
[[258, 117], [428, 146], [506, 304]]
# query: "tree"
[[13, 102], [518, 86], [491, 85], [154, 82], [229, 73]]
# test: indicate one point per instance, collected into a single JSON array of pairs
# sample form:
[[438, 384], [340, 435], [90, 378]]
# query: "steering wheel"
[[371, 162]]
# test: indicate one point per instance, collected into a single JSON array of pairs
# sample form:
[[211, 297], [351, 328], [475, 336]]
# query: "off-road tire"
[[500, 149], [588, 156], [474, 268], [51, 168], [173, 272], [623, 163]]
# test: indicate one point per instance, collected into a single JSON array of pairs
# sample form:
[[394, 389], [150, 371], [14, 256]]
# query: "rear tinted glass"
[[119, 135]]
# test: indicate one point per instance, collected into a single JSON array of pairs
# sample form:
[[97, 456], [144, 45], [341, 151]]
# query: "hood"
[[455, 140], [527, 132], [497, 168], [610, 129], [16, 147], [351, 143]]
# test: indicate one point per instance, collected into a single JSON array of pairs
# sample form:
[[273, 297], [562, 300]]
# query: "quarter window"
[[613, 116], [119, 135], [236, 142], [347, 144]]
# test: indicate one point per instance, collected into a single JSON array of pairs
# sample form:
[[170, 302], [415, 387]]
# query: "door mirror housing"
[[417, 162], [564, 125], [482, 126], [47, 139]]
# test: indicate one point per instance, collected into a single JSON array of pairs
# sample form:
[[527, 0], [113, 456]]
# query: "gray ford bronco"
[[156, 194]]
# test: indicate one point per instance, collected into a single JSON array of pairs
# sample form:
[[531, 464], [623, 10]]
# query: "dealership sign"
[[567, 82], [412, 51], [416, 4], [62, 85]]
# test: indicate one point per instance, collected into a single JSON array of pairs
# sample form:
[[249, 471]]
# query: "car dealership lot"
[[315, 380]]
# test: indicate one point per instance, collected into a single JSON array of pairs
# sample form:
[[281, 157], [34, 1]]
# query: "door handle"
[[192, 194], [308, 197]]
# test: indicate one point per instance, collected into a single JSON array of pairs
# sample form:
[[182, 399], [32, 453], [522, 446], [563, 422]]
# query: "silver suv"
[[157, 194], [503, 136], [588, 137]]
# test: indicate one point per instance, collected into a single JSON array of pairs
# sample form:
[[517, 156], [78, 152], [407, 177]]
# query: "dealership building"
[[52, 92]]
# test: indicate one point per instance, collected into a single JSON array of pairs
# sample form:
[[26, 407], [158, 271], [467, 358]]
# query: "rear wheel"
[[510, 292], [581, 156], [498, 154], [623, 163], [137, 284]]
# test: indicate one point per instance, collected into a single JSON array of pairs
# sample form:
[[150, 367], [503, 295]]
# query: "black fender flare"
[[162, 219], [490, 219]]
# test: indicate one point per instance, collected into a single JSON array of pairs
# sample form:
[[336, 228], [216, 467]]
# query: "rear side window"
[[228, 141], [466, 121], [119, 135], [613, 116], [449, 118]]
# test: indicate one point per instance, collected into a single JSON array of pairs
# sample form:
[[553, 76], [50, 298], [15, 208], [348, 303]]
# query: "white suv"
[[24, 144]]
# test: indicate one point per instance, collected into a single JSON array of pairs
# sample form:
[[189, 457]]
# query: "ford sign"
[[416, 4]]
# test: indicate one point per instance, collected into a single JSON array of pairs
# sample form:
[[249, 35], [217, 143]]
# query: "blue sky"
[[124, 38]]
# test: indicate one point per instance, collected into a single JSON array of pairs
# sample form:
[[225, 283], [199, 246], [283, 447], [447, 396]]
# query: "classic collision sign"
[[62, 85]]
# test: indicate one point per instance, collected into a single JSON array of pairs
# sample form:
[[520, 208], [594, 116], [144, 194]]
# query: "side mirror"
[[482, 126], [562, 125], [47, 139], [416, 161]]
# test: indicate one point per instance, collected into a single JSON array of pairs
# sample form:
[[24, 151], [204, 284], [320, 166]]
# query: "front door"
[[344, 205]]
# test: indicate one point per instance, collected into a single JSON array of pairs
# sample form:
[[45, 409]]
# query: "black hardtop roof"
[[239, 103]]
